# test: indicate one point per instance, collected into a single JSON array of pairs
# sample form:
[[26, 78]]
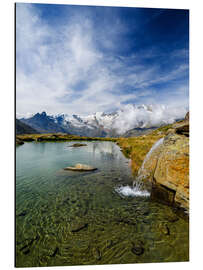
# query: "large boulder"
[[172, 168], [167, 166], [182, 128]]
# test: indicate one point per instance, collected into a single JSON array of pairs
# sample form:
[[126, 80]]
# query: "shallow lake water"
[[79, 218]]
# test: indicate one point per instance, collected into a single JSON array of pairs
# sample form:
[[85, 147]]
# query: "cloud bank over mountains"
[[81, 60], [146, 116]]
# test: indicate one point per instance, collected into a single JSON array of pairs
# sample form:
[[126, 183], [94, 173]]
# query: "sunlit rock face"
[[172, 168], [167, 167]]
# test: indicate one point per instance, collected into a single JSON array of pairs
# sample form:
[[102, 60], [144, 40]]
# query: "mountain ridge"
[[132, 119]]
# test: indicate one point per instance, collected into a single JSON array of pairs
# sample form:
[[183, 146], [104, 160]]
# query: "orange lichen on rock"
[[168, 166]]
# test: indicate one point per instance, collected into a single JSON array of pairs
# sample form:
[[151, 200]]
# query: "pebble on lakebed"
[[81, 167], [137, 248], [78, 226]]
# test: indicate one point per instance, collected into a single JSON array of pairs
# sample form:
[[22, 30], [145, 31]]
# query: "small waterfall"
[[154, 146], [139, 188], [142, 173]]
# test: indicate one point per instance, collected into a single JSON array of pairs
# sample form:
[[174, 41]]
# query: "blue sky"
[[80, 59]]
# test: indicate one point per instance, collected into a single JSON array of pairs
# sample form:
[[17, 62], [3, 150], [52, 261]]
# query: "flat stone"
[[81, 167]]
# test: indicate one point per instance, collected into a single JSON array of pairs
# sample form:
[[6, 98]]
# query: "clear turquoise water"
[[76, 218]]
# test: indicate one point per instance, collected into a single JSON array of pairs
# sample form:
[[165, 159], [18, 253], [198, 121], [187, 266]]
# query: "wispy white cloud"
[[63, 70]]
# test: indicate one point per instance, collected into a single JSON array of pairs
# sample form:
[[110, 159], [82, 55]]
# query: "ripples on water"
[[74, 218]]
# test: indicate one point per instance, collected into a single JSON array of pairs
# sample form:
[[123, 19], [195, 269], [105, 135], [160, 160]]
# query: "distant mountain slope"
[[43, 123], [22, 128], [66, 124], [131, 120], [137, 132]]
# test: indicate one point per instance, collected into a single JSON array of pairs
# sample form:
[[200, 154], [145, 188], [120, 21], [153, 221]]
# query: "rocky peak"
[[182, 127], [43, 114], [187, 116], [39, 115]]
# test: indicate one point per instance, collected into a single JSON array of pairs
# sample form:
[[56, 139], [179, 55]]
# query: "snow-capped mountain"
[[130, 117]]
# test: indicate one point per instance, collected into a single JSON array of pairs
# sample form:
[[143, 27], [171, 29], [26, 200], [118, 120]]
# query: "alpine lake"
[[80, 218]]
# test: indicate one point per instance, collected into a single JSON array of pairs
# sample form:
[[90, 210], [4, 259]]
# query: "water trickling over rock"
[[140, 187], [144, 171]]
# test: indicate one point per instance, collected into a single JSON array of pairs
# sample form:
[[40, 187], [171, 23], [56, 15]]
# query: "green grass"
[[53, 137]]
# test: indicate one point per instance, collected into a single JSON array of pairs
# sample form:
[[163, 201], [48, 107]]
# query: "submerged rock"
[[23, 213], [137, 248], [78, 145], [81, 167], [97, 253], [78, 226], [172, 218], [109, 243], [55, 252], [164, 228]]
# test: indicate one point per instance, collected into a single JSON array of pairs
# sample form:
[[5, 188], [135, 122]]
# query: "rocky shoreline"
[[167, 167]]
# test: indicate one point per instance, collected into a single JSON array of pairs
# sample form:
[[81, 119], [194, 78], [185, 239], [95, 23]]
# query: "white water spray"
[[132, 191]]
